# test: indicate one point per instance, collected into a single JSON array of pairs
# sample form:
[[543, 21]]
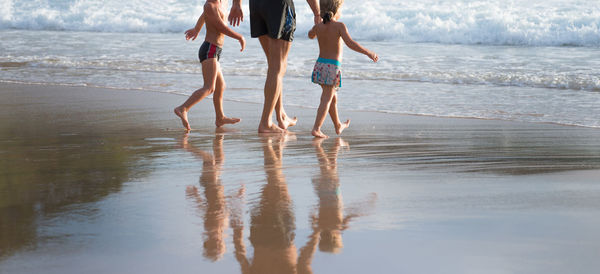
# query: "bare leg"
[[220, 118], [209, 73], [283, 119], [326, 97], [333, 112], [276, 51]]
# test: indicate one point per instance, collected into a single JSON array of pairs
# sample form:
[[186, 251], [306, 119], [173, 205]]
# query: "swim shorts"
[[208, 50], [276, 18], [327, 72]]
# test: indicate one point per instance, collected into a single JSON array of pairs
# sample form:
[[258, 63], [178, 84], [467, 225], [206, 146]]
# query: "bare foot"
[[223, 121], [271, 129], [182, 113], [317, 133], [341, 127], [287, 122]]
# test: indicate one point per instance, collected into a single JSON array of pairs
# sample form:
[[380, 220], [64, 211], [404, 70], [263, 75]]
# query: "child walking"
[[327, 71], [209, 54]]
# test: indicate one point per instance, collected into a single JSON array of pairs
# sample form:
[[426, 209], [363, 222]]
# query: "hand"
[[373, 56], [235, 15], [242, 43], [191, 34], [318, 19]]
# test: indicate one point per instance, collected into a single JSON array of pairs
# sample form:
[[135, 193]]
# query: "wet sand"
[[106, 181]]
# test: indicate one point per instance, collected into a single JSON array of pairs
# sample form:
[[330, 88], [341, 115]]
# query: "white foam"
[[494, 22]]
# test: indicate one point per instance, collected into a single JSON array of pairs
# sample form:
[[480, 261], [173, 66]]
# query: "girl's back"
[[330, 42]]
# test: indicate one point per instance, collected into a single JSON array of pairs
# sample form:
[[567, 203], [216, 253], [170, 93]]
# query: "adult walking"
[[274, 23]]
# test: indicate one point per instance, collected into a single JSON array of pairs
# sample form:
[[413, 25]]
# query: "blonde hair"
[[329, 8]]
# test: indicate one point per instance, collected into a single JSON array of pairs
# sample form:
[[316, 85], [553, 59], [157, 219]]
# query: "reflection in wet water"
[[331, 221], [87, 177], [213, 203], [272, 219], [45, 171]]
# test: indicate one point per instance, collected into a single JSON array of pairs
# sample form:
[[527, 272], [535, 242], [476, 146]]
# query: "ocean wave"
[[517, 22], [533, 79]]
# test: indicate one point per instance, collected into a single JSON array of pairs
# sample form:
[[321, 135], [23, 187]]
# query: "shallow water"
[[543, 84], [89, 176]]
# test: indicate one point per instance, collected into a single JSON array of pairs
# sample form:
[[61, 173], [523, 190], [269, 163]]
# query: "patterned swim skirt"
[[327, 72]]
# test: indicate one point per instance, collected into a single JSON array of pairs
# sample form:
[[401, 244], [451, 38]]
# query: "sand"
[[106, 181]]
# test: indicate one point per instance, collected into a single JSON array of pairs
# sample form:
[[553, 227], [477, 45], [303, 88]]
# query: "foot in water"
[[317, 133], [339, 128], [270, 129], [287, 122], [219, 122], [182, 113]]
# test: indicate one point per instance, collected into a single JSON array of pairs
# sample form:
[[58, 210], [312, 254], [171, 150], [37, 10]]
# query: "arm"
[[314, 6], [193, 32], [235, 14], [212, 17], [355, 46], [313, 32]]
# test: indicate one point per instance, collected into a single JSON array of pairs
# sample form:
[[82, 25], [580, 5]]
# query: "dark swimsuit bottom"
[[275, 18], [208, 50]]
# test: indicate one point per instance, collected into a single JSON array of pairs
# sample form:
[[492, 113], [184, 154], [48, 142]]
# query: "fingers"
[[318, 19], [191, 34], [236, 16], [374, 57]]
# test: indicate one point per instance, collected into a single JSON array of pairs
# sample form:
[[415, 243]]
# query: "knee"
[[209, 89], [327, 97], [277, 68]]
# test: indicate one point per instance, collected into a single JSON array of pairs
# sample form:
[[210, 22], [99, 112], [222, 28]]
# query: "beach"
[[101, 180], [473, 147]]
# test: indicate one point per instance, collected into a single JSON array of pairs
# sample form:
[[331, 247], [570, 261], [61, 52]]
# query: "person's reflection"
[[330, 220], [272, 223], [213, 203]]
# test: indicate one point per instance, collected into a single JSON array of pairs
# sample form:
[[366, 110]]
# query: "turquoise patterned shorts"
[[327, 72]]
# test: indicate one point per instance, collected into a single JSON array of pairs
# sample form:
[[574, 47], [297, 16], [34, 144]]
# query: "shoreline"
[[14, 82]]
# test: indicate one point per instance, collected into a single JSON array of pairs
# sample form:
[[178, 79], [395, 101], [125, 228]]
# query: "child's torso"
[[330, 41], [212, 34]]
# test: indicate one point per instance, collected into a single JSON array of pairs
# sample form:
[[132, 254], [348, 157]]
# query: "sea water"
[[531, 61]]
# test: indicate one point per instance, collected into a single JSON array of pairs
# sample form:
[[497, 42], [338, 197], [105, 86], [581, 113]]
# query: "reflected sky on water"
[[82, 184]]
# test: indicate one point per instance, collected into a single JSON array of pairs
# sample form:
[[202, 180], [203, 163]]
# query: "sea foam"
[[494, 22]]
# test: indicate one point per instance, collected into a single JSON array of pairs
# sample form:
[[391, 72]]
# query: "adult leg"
[[276, 51], [220, 118], [326, 98], [209, 73], [333, 112], [284, 121]]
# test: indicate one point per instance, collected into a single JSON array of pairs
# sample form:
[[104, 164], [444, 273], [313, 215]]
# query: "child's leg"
[[333, 112], [326, 98], [220, 118], [210, 67]]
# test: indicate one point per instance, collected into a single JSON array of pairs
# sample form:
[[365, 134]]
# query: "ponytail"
[[327, 17]]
